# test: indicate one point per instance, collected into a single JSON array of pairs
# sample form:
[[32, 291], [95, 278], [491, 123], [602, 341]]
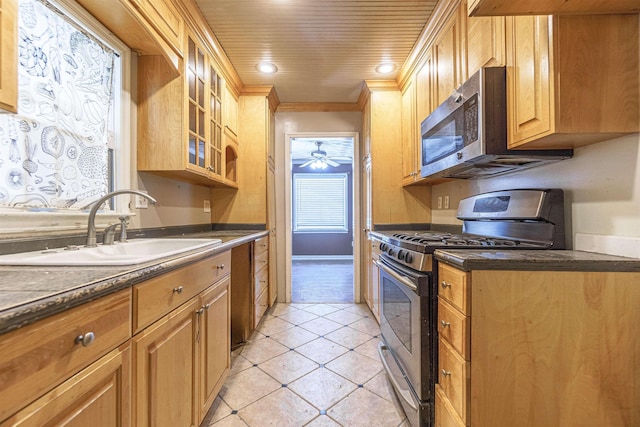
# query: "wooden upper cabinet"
[[180, 118], [448, 58], [485, 43], [571, 80], [9, 55], [230, 112], [149, 27], [163, 16], [550, 7], [410, 171]]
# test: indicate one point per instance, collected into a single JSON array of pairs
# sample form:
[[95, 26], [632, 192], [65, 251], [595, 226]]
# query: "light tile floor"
[[310, 365]]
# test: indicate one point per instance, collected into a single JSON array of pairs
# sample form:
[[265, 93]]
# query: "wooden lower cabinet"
[[215, 342], [98, 396], [181, 360], [165, 370], [538, 348]]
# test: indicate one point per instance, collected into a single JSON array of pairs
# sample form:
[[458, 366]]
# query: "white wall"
[[601, 183]]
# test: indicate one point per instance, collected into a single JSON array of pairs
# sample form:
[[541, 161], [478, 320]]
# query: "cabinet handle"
[[220, 267], [206, 307], [86, 340], [445, 324], [446, 373], [178, 290], [445, 285]]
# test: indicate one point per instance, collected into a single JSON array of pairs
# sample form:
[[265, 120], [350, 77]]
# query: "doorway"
[[322, 188]]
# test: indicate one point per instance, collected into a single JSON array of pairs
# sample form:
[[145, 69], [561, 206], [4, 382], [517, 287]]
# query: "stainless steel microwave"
[[466, 136]]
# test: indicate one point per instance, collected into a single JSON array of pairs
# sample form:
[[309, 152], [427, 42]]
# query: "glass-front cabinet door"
[[215, 124], [197, 102]]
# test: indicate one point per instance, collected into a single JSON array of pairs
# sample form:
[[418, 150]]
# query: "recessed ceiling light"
[[266, 67], [385, 68]]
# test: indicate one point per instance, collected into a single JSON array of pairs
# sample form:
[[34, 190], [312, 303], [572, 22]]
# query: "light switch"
[[207, 206], [141, 202], [446, 202], [439, 202]]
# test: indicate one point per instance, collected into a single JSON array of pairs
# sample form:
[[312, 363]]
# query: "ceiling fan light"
[[386, 68], [318, 164], [266, 68]]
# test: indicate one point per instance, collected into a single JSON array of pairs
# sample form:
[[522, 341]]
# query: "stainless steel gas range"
[[511, 219]]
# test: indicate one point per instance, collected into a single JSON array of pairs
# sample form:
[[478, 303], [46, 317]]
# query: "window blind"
[[320, 203]]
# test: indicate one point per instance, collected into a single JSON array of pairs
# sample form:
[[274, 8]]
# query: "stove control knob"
[[408, 257], [401, 255], [391, 252], [383, 247]]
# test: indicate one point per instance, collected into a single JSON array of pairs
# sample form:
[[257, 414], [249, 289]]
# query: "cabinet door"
[[409, 140], [215, 124], [424, 104], [98, 396], [485, 43], [529, 78], [164, 368], [447, 59], [197, 99], [214, 341], [8, 55]]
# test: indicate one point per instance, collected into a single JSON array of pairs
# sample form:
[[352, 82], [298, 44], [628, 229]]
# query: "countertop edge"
[[548, 260], [25, 314]]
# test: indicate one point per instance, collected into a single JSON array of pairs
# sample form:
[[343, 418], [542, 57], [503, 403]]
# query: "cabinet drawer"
[[453, 378], [261, 281], [156, 297], [260, 246], [454, 287], [445, 414], [38, 357], [454, 327], [260, 261], [261, 305]]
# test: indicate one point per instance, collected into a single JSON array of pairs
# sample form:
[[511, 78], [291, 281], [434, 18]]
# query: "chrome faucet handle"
[[109, 233], [91, 222], [124, 220]]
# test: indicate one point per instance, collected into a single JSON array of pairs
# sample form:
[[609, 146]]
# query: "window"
[[68, 144], [320, 203]]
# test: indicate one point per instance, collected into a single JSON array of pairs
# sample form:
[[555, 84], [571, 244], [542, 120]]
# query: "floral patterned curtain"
[[54, 151]]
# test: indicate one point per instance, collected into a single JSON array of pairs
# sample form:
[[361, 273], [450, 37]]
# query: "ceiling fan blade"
[[331, 162], [304, 165]]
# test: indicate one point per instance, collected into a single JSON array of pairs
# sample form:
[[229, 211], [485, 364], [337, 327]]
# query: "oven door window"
[[396, 308]]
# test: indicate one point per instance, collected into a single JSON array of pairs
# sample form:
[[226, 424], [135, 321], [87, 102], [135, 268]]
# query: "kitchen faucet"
[[91, 226]]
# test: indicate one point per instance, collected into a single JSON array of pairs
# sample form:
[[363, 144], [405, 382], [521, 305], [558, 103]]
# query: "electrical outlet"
[[446, 202], [439, 202], [207, 206], [142, 202]]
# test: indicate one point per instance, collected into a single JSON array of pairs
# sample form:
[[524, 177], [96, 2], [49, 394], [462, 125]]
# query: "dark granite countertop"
[[28, 294], [530, 260]]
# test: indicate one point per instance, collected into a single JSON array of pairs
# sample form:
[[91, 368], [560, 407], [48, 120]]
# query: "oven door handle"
[[392, 378], [402, 279]]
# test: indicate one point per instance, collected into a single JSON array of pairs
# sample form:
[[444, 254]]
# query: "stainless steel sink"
[[133, 252]]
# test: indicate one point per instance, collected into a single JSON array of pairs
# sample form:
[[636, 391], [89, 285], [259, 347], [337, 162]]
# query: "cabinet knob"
[[206, 307], [86, 340], [178, 290], [445, 285], [210, 168], [445, 324], [220, 267], [446, 373]]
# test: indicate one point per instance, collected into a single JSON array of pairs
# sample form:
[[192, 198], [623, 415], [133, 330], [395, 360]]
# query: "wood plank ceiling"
[[324, 49]]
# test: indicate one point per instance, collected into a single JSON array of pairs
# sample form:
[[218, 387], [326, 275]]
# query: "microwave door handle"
[[402, 279]]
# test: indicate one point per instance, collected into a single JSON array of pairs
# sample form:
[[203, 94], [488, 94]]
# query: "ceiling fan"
[[320, 160]]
